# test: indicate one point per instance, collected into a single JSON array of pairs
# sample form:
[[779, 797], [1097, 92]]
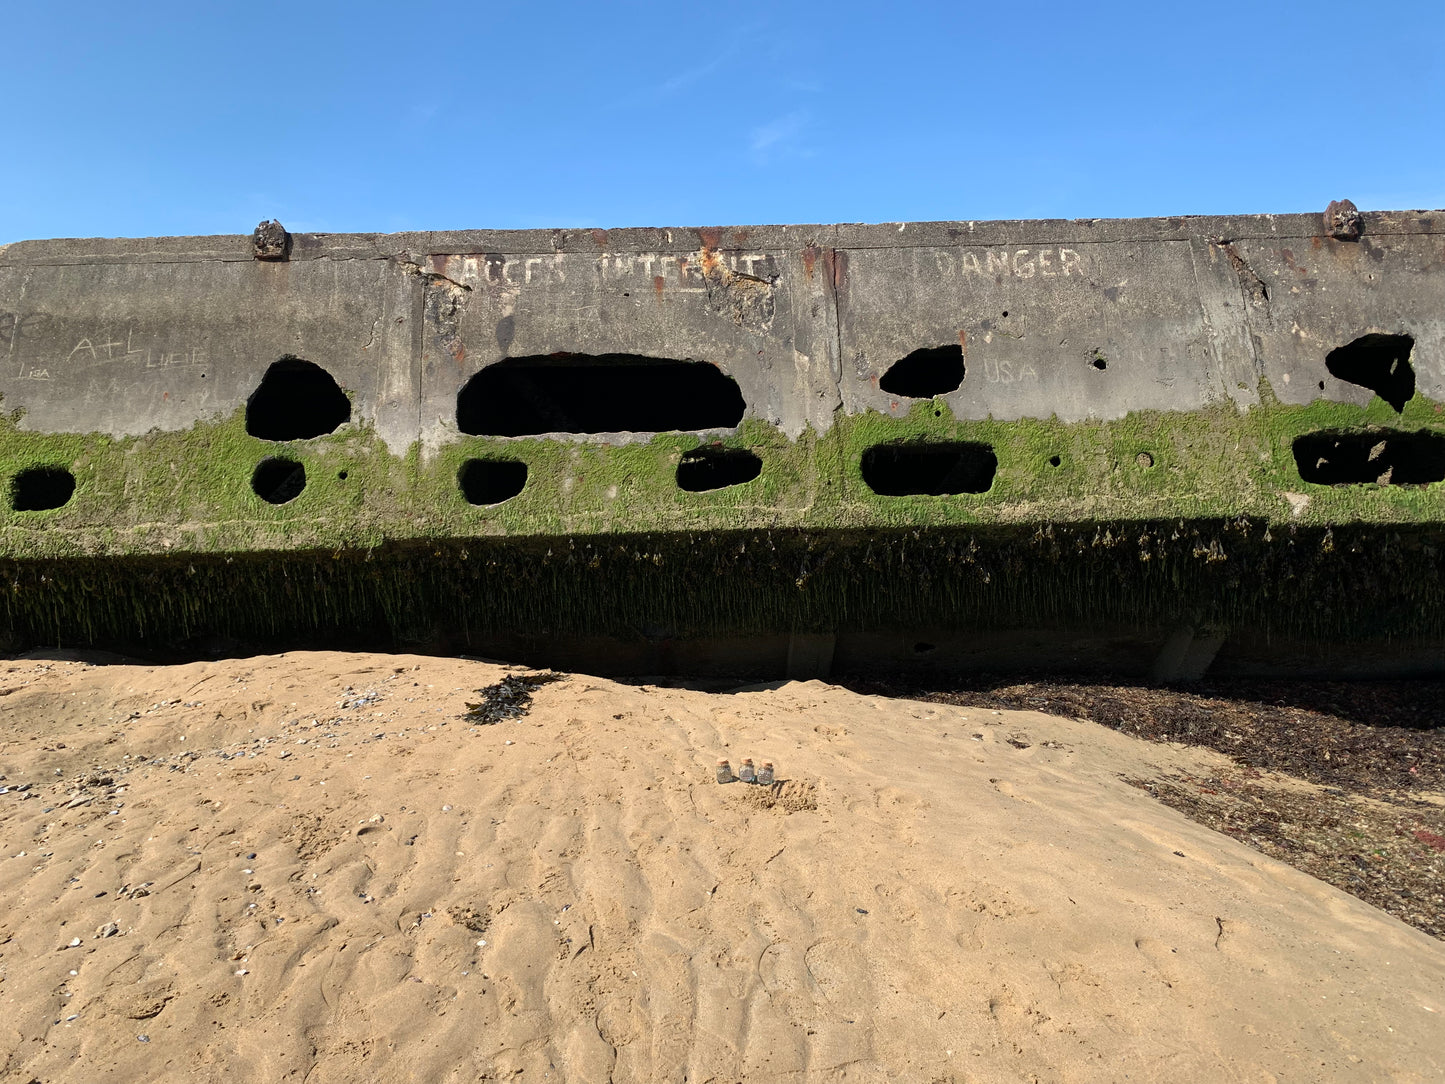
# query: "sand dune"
[[315, 870]]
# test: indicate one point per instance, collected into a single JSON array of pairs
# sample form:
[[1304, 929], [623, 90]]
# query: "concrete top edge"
[[883, 235]]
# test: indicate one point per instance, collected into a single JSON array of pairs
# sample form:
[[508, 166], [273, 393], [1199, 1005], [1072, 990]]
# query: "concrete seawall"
[[1161, 424]]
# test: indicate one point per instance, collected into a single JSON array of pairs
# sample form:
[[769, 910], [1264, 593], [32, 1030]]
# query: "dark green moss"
[[189, 491]]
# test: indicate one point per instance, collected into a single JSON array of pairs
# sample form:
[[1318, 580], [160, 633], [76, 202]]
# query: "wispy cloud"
[[779, 137], [743, 40], [692, 76]]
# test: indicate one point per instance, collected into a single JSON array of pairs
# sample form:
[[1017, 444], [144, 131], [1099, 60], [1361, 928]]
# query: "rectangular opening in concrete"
[[900, 470], [717, 468], [37, 489], [491, 481], [598, 393], [1382, 456]]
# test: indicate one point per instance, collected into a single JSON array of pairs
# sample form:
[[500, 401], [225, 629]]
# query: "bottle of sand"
[[724, 771], [746, 772], [765, 774]]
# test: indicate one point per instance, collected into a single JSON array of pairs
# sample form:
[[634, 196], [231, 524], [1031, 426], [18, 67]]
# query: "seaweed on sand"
[[510, 698]]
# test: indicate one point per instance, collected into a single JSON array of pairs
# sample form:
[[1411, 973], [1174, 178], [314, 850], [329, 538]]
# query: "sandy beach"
[[313, 867]]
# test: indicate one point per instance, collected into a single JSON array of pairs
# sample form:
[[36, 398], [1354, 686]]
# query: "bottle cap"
[[767, 764], [721, 761], [747, 760]]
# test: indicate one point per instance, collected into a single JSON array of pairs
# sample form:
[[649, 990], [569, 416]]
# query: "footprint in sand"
[[841, 972], [1008, 790], [1162, 959]]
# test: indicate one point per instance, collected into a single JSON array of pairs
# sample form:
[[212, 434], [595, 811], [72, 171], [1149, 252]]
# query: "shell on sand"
[[932, 894]]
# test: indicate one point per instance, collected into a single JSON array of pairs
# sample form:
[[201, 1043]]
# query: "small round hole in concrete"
[[38, 489], [277, 481], [1100, 363], [1144, 459], [341, 474]]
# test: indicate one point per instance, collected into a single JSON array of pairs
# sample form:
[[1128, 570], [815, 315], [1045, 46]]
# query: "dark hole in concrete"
[[900, 470], [277, 481], [1384, 456], [602, 393], [341, 474], [715, 468], [296, 400], [925, 373], [491, 481], [36, 489], [1054, 461], [1378, 362], [1100, 363]]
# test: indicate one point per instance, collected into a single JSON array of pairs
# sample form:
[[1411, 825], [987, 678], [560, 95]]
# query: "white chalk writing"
[[15, 327], [103, 350], [678, 273], [1007, 372], [1019, 263]]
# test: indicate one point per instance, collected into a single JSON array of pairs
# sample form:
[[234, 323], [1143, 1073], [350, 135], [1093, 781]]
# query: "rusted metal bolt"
[[1342, 220], [270, 241]]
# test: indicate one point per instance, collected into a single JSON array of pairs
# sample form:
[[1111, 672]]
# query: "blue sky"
[[167, 118]]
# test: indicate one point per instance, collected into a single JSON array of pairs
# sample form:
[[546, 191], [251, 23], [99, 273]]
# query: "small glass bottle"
[[765, 775], [724, 771], [746, 773]]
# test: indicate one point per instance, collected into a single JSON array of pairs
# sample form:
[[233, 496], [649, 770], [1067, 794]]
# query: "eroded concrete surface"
[[1078, 320]]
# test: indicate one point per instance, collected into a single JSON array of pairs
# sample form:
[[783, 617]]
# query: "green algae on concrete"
[[189, 491], [1158, 517]]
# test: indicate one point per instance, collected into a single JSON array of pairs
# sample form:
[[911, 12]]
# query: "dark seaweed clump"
[[510, 698]]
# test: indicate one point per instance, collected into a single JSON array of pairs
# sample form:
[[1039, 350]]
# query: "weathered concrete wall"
[[1137, 371], [111, 336], [1071, 324]]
